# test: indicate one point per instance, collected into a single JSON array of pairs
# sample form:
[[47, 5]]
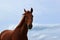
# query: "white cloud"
[[54, 36], [11, 27], [45, 25], [42, 37]]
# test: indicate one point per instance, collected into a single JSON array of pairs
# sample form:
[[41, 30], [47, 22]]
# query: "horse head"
[[28, 18]]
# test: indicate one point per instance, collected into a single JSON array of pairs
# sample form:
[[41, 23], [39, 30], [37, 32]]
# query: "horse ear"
[[31, 10], [24, 10]]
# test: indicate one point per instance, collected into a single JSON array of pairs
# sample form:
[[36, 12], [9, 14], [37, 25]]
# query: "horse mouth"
[[30, 26]]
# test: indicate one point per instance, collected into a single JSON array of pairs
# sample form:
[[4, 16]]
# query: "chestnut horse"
[[20, 32]]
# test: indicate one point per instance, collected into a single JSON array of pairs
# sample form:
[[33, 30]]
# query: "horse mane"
[[22, 21]]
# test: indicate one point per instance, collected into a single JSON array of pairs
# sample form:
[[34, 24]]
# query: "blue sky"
[[44, 11]]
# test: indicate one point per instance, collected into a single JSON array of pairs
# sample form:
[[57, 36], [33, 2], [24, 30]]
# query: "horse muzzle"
[[30, 26]]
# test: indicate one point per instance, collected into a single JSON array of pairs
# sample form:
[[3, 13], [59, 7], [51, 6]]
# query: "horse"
[[21, 30]]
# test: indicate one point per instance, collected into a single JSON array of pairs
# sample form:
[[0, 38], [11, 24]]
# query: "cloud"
[[45, 25], [11, 27]]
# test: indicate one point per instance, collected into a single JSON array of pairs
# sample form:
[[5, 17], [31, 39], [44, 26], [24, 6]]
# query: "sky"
[[44, 11]]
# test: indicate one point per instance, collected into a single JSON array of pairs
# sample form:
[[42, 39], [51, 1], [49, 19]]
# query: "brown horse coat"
[[20, 32]]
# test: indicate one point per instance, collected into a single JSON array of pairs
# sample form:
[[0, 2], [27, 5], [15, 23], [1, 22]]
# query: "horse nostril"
[[30, 26]]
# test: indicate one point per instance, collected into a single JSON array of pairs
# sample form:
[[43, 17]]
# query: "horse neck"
[[20, 33], [22, 27]]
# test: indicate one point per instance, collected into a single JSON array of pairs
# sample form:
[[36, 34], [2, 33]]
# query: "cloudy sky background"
[[44, 11]]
